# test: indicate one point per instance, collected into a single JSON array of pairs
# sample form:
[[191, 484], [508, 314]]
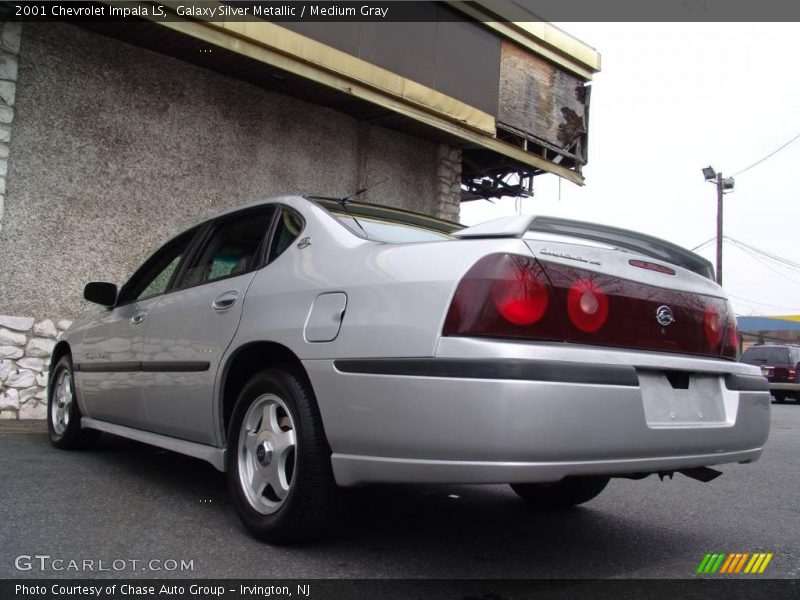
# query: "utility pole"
[[719, 228], [723, 185]]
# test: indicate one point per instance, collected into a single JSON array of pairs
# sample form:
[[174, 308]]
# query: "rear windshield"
[[387, 224], [764, 355], [391, 232]]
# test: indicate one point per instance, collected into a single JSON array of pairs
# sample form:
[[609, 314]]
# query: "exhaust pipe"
[[704, 474]]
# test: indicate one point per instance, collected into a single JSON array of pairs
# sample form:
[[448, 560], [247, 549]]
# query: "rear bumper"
[[494, 412], [357, 470]]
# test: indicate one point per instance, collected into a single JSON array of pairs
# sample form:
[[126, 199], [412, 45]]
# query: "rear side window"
[[233, 248], [766, 355], [288, 228]]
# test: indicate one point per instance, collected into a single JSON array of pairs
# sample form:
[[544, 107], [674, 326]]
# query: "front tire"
[[63, 414], [278, 460], [563, 494]]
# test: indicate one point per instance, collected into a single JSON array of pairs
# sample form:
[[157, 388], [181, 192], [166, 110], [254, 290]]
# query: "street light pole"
[[719, 228], [723, 185]]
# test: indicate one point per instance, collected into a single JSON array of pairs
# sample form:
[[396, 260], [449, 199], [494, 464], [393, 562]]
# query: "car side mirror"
[[101, 292]]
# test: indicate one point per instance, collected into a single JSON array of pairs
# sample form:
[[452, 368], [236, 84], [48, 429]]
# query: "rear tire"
[[63, 414], [563, 494], [278, 460], [779, 398]]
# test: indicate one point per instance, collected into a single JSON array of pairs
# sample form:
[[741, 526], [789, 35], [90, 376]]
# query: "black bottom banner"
[[422, 589]]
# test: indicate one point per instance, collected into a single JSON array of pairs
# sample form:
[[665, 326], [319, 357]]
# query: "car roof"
[[358, 208]]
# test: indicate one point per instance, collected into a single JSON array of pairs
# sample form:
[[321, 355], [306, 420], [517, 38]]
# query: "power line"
[[706, 243], [774, 257], [764, 252], [773, 153], [748, 301], [779, 259], [766, 264], [752, 250]]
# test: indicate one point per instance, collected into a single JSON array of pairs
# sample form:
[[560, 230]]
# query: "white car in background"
[[302, 344]]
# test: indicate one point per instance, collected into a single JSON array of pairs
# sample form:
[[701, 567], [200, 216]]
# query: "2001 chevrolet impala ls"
[[303, 343]]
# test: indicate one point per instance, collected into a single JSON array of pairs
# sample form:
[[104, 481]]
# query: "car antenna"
[[343, 202]]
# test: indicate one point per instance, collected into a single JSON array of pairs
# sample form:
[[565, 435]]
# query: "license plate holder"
[[701, 404]]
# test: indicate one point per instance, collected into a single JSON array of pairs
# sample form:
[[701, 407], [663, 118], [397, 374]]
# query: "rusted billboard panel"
[[543, 103]]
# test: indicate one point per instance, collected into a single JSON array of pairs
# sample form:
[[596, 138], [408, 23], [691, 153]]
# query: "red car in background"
[[780, 364]]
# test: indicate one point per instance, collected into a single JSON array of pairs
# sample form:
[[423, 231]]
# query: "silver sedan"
[[303, 344]]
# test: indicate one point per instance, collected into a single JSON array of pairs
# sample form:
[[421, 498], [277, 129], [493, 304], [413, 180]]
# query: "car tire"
[[563, 494], [63, 413], [779, 398], [279, 461]]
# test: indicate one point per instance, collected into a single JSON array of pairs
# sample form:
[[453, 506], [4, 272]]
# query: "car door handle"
[[138, 319], [225, 301]]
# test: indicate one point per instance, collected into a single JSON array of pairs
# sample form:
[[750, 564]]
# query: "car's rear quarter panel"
[[397, 299], [397, 294]]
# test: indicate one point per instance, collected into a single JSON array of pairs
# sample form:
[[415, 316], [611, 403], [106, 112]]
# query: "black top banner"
[[408, 11]]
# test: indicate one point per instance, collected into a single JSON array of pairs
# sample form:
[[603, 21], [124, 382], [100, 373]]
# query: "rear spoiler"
[[621, 238]]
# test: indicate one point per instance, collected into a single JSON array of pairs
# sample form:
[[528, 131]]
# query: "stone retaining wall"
[[25, 349], [9, 49]]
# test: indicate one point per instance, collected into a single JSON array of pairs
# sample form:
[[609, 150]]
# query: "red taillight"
[[731, 348], [733, 336], [792, 373], [520, 295], [505, 295], [713, 325], [587, 305]]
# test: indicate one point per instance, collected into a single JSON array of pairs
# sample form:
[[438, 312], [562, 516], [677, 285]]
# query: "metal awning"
[[274, 57]]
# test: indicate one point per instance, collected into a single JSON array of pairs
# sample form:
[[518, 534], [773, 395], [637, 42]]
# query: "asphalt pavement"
[[124, 501]]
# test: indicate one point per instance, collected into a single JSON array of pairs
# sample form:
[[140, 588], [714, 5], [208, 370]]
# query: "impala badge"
[[304, 243], [664, 315]]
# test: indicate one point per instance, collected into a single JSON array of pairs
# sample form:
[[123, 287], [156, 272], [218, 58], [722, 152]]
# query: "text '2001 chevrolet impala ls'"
[[301, 344]]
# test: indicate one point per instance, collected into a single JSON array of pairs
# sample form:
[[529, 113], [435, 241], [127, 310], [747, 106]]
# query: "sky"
[[672, 98]]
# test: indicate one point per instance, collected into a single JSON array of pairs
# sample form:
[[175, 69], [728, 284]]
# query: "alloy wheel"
[[267, 453]]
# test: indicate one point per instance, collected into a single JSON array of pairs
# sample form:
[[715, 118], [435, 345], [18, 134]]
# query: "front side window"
[[161, 281], [234, 248], [154, 276]]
